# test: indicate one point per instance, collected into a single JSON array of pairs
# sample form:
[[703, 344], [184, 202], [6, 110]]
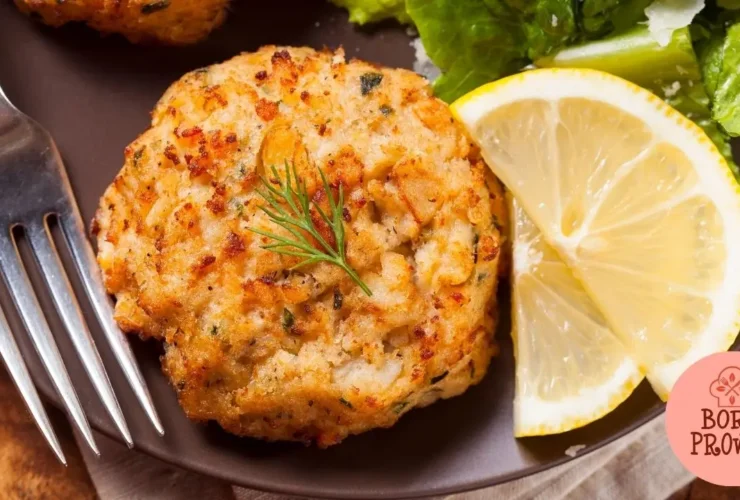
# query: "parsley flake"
[[369, 81]]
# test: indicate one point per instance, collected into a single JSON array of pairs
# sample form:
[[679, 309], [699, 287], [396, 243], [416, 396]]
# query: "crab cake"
[[305, 355], [175, 22]]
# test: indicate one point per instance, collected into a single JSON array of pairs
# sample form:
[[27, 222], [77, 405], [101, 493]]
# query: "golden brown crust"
[[175, 22], [175, 249]]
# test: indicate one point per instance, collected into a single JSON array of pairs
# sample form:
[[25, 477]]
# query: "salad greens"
[[720, 57], [477, 41], [469, 44], [636, 56], [685, 51]]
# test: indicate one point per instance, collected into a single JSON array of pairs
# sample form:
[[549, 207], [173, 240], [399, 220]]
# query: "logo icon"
[[703, 418], [726, 388]]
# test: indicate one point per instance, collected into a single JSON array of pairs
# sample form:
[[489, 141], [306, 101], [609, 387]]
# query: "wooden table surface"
[[28, 468], [30, 471]]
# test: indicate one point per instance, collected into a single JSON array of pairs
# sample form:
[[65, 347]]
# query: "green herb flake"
[[369, 81], [399, 407], [346, 403], [152, 7], [288, 320], [214, 330], [386, 110], [439, 377], [238, 207], [138, 154], [482, 276]]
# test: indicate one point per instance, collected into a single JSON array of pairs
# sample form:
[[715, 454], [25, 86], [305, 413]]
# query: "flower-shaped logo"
[[727, 387]]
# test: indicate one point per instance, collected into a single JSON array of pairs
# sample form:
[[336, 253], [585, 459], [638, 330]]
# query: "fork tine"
[[19, 373], [25, 300], [69, 310], [82, 253]]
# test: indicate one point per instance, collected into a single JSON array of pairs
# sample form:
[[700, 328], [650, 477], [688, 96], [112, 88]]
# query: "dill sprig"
[[290, 208]]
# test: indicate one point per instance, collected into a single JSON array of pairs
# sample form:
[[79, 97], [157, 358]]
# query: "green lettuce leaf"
[[720, 64], [478, 41], [710, 55], [693, 102], [601, 17], [635, 56], [369, 11], [470, 42]]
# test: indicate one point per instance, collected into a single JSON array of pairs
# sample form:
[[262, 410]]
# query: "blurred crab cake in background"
[[172, 22], [280, 353]]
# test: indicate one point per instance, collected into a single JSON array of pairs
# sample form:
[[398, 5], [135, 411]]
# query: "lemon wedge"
[[570, 368], [632, 196]]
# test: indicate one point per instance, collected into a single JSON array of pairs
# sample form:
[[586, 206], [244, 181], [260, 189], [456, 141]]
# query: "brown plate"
[[94, 94]]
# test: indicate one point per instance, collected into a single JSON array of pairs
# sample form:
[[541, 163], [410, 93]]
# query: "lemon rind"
[[536, 417]]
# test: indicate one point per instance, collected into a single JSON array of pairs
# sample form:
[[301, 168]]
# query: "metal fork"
[[33, 187]]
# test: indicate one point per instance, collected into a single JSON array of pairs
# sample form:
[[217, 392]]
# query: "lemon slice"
[[632, 195], [570, 368]]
